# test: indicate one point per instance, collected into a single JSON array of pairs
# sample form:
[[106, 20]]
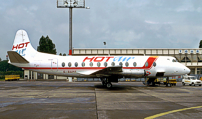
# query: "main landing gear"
[[106, 82]]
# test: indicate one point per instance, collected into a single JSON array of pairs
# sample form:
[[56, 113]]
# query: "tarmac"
[[90, 100]]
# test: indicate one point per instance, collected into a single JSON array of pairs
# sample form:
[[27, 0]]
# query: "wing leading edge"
[[108, 71]]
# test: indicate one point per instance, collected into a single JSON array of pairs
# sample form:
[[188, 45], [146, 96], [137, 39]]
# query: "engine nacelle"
[[132, 72]]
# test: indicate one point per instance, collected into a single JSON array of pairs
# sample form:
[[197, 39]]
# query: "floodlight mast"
[[69, 4], [70, 29]]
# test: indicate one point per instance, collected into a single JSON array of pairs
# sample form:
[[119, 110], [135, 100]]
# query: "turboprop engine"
[[132, 73]]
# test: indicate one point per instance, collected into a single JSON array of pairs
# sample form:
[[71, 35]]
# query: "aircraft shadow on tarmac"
[[114, 87], [123, 87]]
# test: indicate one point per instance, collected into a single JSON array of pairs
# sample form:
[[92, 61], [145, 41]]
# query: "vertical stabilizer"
[[22, 44]]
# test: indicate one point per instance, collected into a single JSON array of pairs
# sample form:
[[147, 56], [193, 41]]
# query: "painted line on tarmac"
[[173, 111]]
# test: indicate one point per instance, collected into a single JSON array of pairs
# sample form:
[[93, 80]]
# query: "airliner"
[[108, 68]]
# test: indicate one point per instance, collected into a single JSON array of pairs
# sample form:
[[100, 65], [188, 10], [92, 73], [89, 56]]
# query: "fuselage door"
[[54, 64]]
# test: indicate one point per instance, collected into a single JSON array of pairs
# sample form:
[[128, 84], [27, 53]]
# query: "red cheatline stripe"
[[150, 61]]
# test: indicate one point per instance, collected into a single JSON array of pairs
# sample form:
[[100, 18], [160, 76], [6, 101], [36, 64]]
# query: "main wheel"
[[103, 83], [183, 83], [109, 85]]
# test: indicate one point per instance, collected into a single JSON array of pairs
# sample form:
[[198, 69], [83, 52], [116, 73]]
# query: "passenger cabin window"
[[113, 64], [63, 64], [69, 64], [146, 64], [127, 64], [98, 64], [83, 64], [91, 64], [76, 64], [154, 64], [121, 64], [105, 64], [134, 64]]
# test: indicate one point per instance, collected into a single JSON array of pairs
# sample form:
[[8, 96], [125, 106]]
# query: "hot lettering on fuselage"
[[20, 48], [106, 59], [97, 59]]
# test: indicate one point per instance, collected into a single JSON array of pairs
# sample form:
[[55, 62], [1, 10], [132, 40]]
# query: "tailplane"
[[16, 58]]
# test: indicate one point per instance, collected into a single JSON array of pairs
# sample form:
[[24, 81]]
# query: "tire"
[[109, 85], [193, 84], [199, 85], [168, 84], [183, 83], [103, 84], [189, 84]]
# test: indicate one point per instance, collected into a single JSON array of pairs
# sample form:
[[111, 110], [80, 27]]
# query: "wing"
[[108, 71]]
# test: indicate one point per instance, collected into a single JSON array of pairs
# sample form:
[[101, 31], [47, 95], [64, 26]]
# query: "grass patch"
[[2, 79]]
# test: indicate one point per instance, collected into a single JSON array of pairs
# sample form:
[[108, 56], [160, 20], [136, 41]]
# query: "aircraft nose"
[[187, 70]]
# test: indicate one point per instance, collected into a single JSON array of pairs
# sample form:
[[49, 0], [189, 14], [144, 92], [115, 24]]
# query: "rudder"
[[22, 44]]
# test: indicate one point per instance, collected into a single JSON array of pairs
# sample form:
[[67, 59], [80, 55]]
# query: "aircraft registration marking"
[[69, 71]]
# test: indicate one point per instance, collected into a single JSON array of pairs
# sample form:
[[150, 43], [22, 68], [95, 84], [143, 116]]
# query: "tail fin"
[[22, 44]]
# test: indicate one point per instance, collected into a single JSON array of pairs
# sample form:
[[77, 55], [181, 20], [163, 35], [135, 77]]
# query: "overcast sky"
[[120, 23]]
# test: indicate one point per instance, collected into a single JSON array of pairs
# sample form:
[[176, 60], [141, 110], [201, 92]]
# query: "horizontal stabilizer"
[[16, 58]]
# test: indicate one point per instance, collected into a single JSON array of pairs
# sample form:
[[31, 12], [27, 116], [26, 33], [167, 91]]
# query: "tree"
[[200, 44], [46, 45], [5, 66], [62, 54], [0, 59]]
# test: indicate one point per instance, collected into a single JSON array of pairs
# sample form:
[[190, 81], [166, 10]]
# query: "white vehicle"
[[191, 80], [107, 68]]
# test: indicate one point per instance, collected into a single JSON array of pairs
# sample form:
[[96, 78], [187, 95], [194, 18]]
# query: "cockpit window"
[[174, 60]]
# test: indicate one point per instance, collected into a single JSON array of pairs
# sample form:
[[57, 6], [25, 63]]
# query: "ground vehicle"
[[191, 80], [173, 82], [201, 78], [12, 77], [170, 82]]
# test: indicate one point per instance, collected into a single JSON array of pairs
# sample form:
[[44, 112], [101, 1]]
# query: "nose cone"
[[187, 70]]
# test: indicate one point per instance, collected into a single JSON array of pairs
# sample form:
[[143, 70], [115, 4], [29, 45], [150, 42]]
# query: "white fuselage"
[[25, 56], [72, 65]]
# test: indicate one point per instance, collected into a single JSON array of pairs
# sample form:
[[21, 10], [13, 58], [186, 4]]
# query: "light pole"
[[105, 44], [71, 4]]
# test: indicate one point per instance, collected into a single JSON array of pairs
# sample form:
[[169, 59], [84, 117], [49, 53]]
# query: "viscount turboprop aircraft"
[[107, 68]]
